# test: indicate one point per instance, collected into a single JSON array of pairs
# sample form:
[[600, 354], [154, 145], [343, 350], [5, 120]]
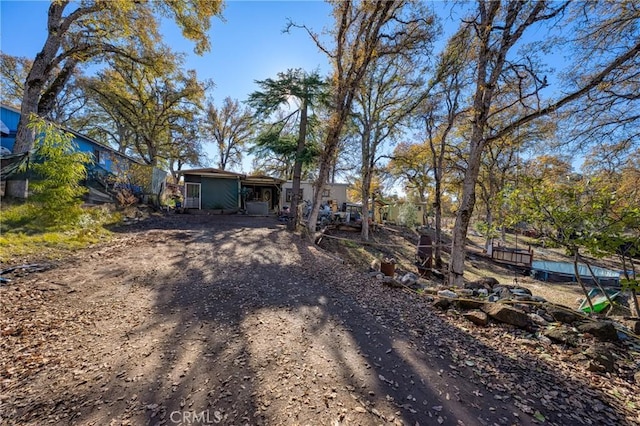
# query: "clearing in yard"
[[195, 319]]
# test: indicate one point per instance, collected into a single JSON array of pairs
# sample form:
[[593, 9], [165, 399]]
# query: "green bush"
[[58, 170], [52, 220], [485, 230]]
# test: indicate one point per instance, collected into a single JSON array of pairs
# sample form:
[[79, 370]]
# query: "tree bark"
[[33, 87], [463, 216], [365, 171], [488, 72], [437, 206], [38, 76], [438, 170], [297, 167], [25, 139], [331, 144]]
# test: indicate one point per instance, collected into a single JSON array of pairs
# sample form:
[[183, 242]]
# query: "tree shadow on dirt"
[[246, 324]]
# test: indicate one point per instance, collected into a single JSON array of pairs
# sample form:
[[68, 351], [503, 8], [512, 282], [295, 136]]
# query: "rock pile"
[[600, 343]]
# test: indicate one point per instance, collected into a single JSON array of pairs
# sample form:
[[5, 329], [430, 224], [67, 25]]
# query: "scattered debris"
[[115, 335], [27, 269]]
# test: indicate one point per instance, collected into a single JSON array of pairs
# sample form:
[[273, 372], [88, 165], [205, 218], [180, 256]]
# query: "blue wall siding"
[[8, 142], [106, 157], [10, 119]]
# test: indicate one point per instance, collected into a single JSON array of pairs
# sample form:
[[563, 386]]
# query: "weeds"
[[24, 234], [351, 244]]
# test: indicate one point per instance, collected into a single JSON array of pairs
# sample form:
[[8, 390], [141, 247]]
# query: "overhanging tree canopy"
[[92, 30]]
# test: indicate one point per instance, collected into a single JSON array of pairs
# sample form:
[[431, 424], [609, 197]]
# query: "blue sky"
[[249, 46]]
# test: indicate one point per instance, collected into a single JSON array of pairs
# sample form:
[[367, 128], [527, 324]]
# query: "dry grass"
[[400, 244]]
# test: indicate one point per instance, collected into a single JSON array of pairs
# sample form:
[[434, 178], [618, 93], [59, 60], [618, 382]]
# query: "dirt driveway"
[[192, 319]]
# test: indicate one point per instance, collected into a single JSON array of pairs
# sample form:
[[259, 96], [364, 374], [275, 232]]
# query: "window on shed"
[[289, 195]]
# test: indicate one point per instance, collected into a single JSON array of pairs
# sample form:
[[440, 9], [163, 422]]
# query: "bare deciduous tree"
[[230, 127], [363, 33], [388, 95], [498, 27]]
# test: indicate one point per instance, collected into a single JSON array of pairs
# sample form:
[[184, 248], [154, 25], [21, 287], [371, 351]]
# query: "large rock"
[[507, 314], [409, 279], [477, 317], [470, 304], [537, 319], [601, 359], [601, 330], [520, 291], [562, 335], [502, 292], [564, 315], [488, 283], [389, 281], [523, 297], [448, 293], [442, 303], [464, 292]]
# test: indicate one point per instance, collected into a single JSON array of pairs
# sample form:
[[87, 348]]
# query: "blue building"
[[107, 162], [104, 156]]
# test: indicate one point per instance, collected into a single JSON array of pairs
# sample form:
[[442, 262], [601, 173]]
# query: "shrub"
[[408, 215], [23, 234], [59, 170]]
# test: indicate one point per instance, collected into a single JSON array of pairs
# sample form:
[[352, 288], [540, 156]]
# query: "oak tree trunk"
[[38, 76]]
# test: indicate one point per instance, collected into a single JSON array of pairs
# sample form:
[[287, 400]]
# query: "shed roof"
[[225, 174], [210, 171], [261, 180]]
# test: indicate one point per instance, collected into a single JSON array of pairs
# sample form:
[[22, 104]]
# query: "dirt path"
[[232, 320]]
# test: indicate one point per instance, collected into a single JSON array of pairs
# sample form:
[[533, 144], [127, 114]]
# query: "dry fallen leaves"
[[96, 333]]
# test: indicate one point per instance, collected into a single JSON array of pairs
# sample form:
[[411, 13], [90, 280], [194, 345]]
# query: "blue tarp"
[[564, 271]]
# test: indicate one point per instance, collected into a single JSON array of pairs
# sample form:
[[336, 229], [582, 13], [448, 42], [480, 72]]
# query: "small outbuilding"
[[223, 191], [332, 193]]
